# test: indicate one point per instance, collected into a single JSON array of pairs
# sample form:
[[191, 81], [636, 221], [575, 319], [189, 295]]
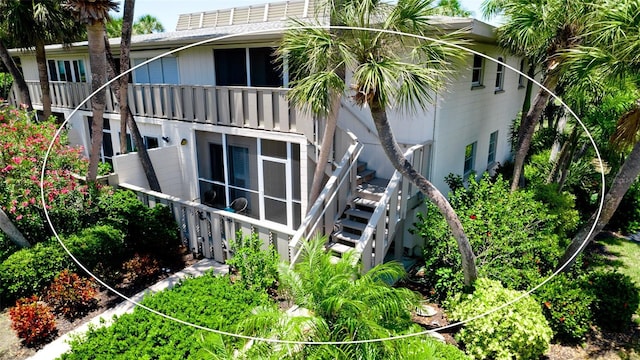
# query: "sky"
[[167, 11]]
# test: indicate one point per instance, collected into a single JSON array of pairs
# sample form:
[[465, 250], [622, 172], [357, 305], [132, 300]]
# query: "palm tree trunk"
[[41, 60], [95, 34], [143, 154], [18, 79], [563, 158], [125, 46], [395, 154], [325, 147], [627, 174], [528, 126], [12, 231]]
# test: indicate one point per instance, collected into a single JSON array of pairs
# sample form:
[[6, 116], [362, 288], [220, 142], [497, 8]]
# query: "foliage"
[[519, 331], [566, 303], [616, 299], [21, 157], [31, 269], [206, 300], [258, 268], [627, 216], [146, 229], [6, 81], [561, 205], [511, 233], [32, 320], [71, 295], [141, 269], [97, 244], [6, 247]]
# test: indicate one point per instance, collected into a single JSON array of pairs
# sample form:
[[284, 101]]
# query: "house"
[[218, 125]]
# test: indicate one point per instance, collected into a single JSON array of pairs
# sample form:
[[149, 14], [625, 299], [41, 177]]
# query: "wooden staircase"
[[354, 219]]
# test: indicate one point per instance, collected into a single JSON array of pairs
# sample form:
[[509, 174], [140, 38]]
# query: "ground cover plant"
[[208, 300]]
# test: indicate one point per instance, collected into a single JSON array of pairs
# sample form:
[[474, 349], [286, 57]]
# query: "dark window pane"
[[265, 70], [151, 142], [53, 71], [217, 163], [275, 211], [231, 67]]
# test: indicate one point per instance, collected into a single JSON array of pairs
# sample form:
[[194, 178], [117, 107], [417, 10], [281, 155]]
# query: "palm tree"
[[381, 77], [452, 8], [147, 24], [23, 90], [35, 23], [540, 30], [94, 13], [615, 44], [114, 27], [12, 232]]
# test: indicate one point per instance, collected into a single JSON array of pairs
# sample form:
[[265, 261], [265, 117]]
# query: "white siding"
[[196, 66]]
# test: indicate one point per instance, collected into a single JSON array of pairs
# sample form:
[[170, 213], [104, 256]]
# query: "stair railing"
[[331, 202], [385, 225]]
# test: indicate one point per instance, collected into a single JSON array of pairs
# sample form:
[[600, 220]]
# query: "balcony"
[[250, 107]]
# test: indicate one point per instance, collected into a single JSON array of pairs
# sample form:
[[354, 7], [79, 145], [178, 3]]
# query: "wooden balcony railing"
[[251, 107]]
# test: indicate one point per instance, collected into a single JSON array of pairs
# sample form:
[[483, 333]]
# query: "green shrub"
[[512, 235], [519, 331], [616, 299], [206, 300], [258, 268], [561, 206], [30, 270], [98, 244], [6, 247], [566, 304], [146, 230]]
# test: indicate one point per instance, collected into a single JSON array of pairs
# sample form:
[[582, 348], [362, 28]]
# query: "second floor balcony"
[[250, 107]]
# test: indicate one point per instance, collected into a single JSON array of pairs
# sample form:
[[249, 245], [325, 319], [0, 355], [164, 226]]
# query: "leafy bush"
[[258, 268], [512, 235], [616, 299], [32, 320], [71, 295], [146, 230], [206, 300], [561, 206], [98, 244], [6, 247], [140, 269], [566, 304], [30, 270], [519, 331]]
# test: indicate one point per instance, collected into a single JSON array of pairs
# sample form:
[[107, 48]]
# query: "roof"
[[257, 22]]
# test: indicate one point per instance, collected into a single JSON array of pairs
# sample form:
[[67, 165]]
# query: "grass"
[[627, 254]]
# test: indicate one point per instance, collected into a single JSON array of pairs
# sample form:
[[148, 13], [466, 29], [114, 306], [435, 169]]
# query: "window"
[[232, 70], [150, 142], [66, 70], [106, 153], [160, 71], [493, 146], [469, 158], [521, 77], [477, 72], [500, 75]]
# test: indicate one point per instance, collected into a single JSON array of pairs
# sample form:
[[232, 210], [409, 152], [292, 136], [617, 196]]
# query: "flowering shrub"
[[71, 295], [24, 145], [32, 320]]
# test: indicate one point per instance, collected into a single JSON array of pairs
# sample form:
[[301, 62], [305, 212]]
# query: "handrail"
[[317, 211], [380, 212]]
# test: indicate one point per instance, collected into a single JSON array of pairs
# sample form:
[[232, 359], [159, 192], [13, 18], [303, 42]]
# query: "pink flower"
[[19, 217]]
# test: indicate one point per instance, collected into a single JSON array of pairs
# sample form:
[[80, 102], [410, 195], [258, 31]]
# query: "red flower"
[[472, 217]]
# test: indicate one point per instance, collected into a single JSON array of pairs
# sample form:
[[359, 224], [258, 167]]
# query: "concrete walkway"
[[60, 345]]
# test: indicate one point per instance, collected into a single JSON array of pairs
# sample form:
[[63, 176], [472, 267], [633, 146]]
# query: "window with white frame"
[[106, 153], [470, 158], [477, 71], [493, 146], [521, 77], [247, 67], [500, 75], [159, 71], [150, 142], [66, 70]]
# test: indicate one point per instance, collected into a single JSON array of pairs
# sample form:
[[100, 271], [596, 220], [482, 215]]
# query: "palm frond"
[[626, 133]]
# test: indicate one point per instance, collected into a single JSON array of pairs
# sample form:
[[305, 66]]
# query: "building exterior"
[[218, 125]]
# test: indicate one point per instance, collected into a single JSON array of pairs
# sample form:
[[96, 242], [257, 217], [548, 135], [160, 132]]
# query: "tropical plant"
[[147, 24], [32, 320], [23, 90], [34, 24], [381, 76], [540, 31], [257, 267], [94, 14], [452, 8]]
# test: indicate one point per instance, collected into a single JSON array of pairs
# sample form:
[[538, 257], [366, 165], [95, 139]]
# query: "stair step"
[[365, 204], [362, 166], [339, 248], [366, 175], [352, 225], [345, 238], [357, 214]]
